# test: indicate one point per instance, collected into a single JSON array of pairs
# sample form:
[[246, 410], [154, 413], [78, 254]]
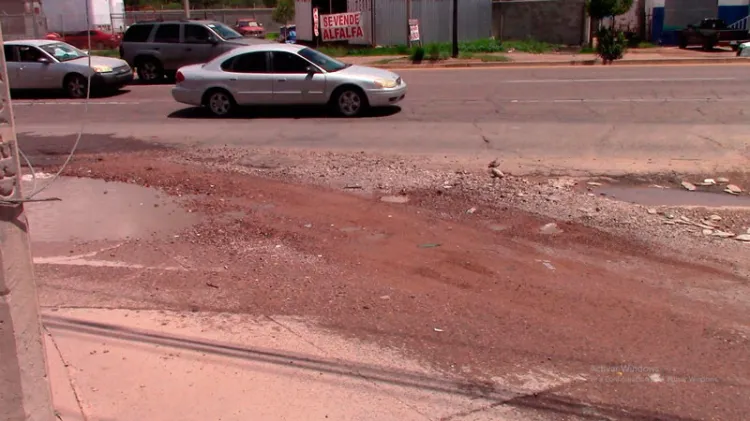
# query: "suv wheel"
[[150, 70]]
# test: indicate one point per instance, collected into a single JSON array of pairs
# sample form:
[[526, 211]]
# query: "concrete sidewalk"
[[130, 365]]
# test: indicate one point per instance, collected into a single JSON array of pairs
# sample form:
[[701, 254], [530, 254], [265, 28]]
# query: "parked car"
[[157, 49], [285, 74], [250, 28], [100, 40], [710, 33], [55, 65]]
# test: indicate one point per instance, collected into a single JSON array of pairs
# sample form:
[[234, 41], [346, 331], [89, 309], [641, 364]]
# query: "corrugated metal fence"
[[435, 20]]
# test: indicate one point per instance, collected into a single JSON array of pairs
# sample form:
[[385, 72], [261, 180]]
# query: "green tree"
[[611, 41], [269, 3], [284, 11]]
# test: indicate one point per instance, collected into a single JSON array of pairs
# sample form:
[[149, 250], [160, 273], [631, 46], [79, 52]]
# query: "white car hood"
[[365, 72], [98, 61]]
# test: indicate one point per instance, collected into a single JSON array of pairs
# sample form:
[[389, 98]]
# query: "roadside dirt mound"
[[480, 292]]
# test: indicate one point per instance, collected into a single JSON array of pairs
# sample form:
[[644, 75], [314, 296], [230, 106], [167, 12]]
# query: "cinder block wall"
[[558, 22]]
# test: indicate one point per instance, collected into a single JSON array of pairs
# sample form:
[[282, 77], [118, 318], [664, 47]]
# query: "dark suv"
[[157, 49]]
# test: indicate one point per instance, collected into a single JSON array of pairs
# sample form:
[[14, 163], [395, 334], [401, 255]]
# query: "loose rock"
[[722, 234], [709, 182], [743, 237], [651, 211], [715, 218], [688, 186], [708, 232], [733, 189], [496, 173], [550, 228], [722, 180]]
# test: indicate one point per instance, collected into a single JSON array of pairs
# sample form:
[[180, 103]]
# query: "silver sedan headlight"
[[385, 83]]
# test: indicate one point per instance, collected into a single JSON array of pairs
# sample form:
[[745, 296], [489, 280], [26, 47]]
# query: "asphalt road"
[[603, 119]]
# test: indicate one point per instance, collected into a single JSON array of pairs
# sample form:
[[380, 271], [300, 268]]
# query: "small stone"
[[496, 173], [520, 194], [722, 180], [550, 228], [733, 189], [743, 237], [394, 199], [472, 210], [709, 182], [651, 211], [708, 232], [688, 186], [594, 184], [669, 216], [715, 218]]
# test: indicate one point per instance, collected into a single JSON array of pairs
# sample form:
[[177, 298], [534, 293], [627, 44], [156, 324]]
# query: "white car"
[[54, 65], [743, 50], [285, 74]]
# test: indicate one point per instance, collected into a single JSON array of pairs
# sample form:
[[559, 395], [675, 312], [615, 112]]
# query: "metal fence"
[[435, 20]]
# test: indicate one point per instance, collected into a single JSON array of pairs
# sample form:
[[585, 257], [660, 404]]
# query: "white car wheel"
[[220, 103], [350, 102], [76, 86]]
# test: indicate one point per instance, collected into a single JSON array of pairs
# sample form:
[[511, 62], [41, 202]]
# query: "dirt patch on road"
[[479, 293]]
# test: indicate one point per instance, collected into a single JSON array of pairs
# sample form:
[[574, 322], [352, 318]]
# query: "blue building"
[[670, 16]]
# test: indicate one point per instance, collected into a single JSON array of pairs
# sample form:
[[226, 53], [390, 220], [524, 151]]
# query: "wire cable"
[[81, 129]]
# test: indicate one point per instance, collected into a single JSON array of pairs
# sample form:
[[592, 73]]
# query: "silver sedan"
[[284, 74], [45, 64]]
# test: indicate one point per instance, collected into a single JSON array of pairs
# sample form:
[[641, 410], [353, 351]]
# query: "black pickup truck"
[[710, 33]]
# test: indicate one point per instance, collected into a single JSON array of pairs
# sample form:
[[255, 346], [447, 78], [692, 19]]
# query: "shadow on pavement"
[[280, 112], [545, 401], [55, 94]]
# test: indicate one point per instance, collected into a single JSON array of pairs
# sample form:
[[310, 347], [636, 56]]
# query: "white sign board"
[[413, 30], [316, 22], [341, 26]]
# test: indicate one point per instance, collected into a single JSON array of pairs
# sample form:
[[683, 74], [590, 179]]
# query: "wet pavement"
[[96, 210], [654, 196]]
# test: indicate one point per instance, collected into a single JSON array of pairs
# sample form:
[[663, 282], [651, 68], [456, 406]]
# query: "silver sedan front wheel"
[[220, 103], [350, 102]]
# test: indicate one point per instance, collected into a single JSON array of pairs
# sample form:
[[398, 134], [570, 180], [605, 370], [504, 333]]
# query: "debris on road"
[[429, 245], [395, 199], [733, 189], [496, 173], [688, 186], [743, 237], [471, 210], [722, 180]]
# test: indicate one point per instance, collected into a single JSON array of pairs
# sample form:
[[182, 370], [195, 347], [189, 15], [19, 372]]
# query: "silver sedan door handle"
[[233, 79], [282, 80]]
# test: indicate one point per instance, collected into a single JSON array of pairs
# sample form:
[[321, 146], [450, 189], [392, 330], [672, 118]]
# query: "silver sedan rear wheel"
[[220, 103], [350, 102]]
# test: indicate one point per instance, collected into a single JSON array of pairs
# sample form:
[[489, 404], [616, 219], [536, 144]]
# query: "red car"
[[250, 28], [100, 40]]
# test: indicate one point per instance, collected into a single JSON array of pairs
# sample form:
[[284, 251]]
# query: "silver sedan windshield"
[[328, 64]]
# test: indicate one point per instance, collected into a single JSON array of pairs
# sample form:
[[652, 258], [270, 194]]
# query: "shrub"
[[612, 44], [418, 55], [433, 51]]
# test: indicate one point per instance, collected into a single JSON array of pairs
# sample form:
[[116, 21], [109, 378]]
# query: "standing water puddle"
[[93, 210], [651, 196]]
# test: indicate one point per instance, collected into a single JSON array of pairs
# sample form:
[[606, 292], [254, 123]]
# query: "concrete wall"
[[554, 21]]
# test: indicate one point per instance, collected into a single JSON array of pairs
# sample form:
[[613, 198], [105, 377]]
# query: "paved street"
[[605, 119]]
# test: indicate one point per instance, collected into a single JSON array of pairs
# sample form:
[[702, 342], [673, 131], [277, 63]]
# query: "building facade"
[[670, 16]]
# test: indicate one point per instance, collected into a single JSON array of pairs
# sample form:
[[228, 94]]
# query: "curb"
[[571, 63]]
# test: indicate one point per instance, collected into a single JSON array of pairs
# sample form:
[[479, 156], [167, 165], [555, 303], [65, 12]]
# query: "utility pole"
[[455, 29], [24, 386], [186, 6]]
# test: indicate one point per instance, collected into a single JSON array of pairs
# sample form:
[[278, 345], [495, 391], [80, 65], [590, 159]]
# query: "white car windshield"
[[329, 64], [224, 31], [63, 52]]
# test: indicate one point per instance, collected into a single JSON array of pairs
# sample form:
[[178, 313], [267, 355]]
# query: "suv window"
[[289, 63], [168, 33], [196, 34], [138, 33], [247, 63]]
